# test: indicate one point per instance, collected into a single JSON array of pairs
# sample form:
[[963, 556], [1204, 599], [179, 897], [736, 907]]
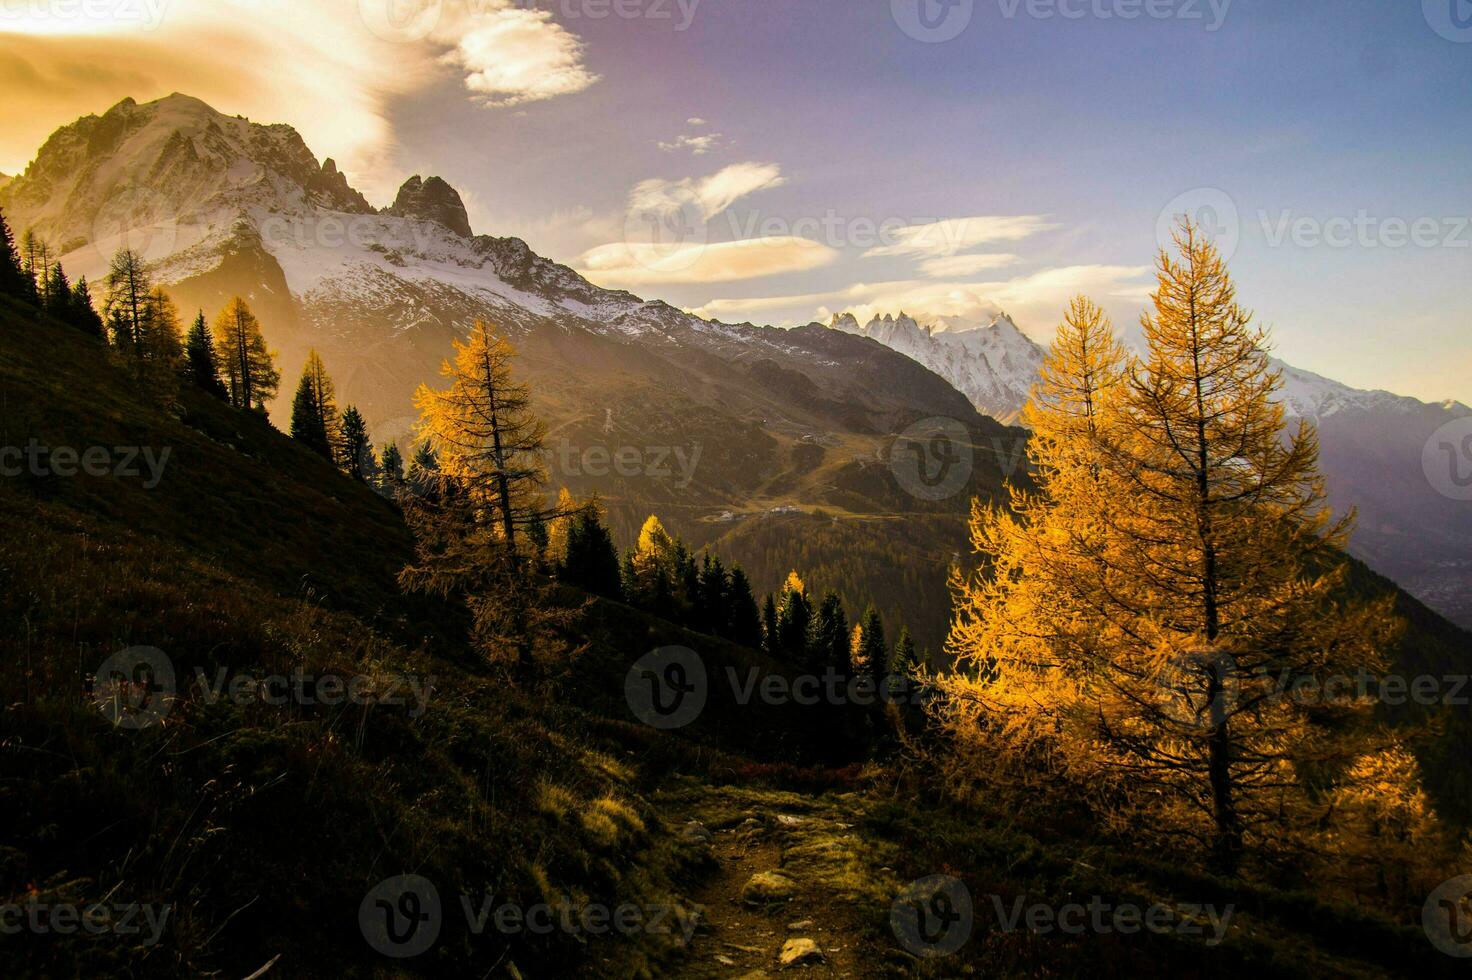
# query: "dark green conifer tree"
[[592, 560], [745, 624], [794, 618], [357, 450], [84, 315], [828, 646], [770, 642], [13, 280], [58, 294], [391, 464], [873, 654], [201, 362]]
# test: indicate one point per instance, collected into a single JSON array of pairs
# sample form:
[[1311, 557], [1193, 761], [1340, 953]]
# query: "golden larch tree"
[[248, 365], [488, 440], [160, 334], [1141, 613], [469, 517]]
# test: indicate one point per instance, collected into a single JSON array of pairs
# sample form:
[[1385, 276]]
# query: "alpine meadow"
[[834, 488]]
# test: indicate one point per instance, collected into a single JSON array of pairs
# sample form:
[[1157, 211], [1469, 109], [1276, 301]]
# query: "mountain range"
[[772, 445], [994, 364], [769, 444], [1370, 443]]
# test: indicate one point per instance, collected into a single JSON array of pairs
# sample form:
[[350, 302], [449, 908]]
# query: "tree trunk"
[[1227, 845], [503, 489]]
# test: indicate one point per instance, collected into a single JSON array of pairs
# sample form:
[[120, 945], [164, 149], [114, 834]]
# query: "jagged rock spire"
[[432, 200]]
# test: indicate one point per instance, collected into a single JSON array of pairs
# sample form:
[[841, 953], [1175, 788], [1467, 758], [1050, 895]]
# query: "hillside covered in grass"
[[262, 827]]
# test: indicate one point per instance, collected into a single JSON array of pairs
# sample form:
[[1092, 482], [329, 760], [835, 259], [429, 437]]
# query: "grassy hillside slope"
[[263, 826]]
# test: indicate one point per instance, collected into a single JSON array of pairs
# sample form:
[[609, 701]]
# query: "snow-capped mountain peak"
[[1315, 397], [166, 177], [994, 364]]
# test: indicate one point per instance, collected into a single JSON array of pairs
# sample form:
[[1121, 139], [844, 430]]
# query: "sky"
[[784, 160]]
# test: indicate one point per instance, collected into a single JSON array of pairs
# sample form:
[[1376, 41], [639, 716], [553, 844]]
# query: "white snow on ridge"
[[992, 364], [1312, 396], [995, 365]]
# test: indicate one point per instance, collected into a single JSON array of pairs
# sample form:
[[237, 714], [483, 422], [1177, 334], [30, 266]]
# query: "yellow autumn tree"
[[1012, 624], [160, 338], [472, 522], [563, 512], [1385, 837], [1138, 615], [487, 438], [248, 365], [654, 552]]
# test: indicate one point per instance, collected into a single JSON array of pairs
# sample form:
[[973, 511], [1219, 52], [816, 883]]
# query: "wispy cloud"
[[666, 234], [955, 235], [697, 145], [961, 266], [706, 196], [647, 263], [1035, 301]]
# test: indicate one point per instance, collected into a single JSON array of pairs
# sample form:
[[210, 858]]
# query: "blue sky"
[[815, 157]]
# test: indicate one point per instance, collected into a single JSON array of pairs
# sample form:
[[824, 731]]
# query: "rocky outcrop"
[[331, 186], [432, 200]]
